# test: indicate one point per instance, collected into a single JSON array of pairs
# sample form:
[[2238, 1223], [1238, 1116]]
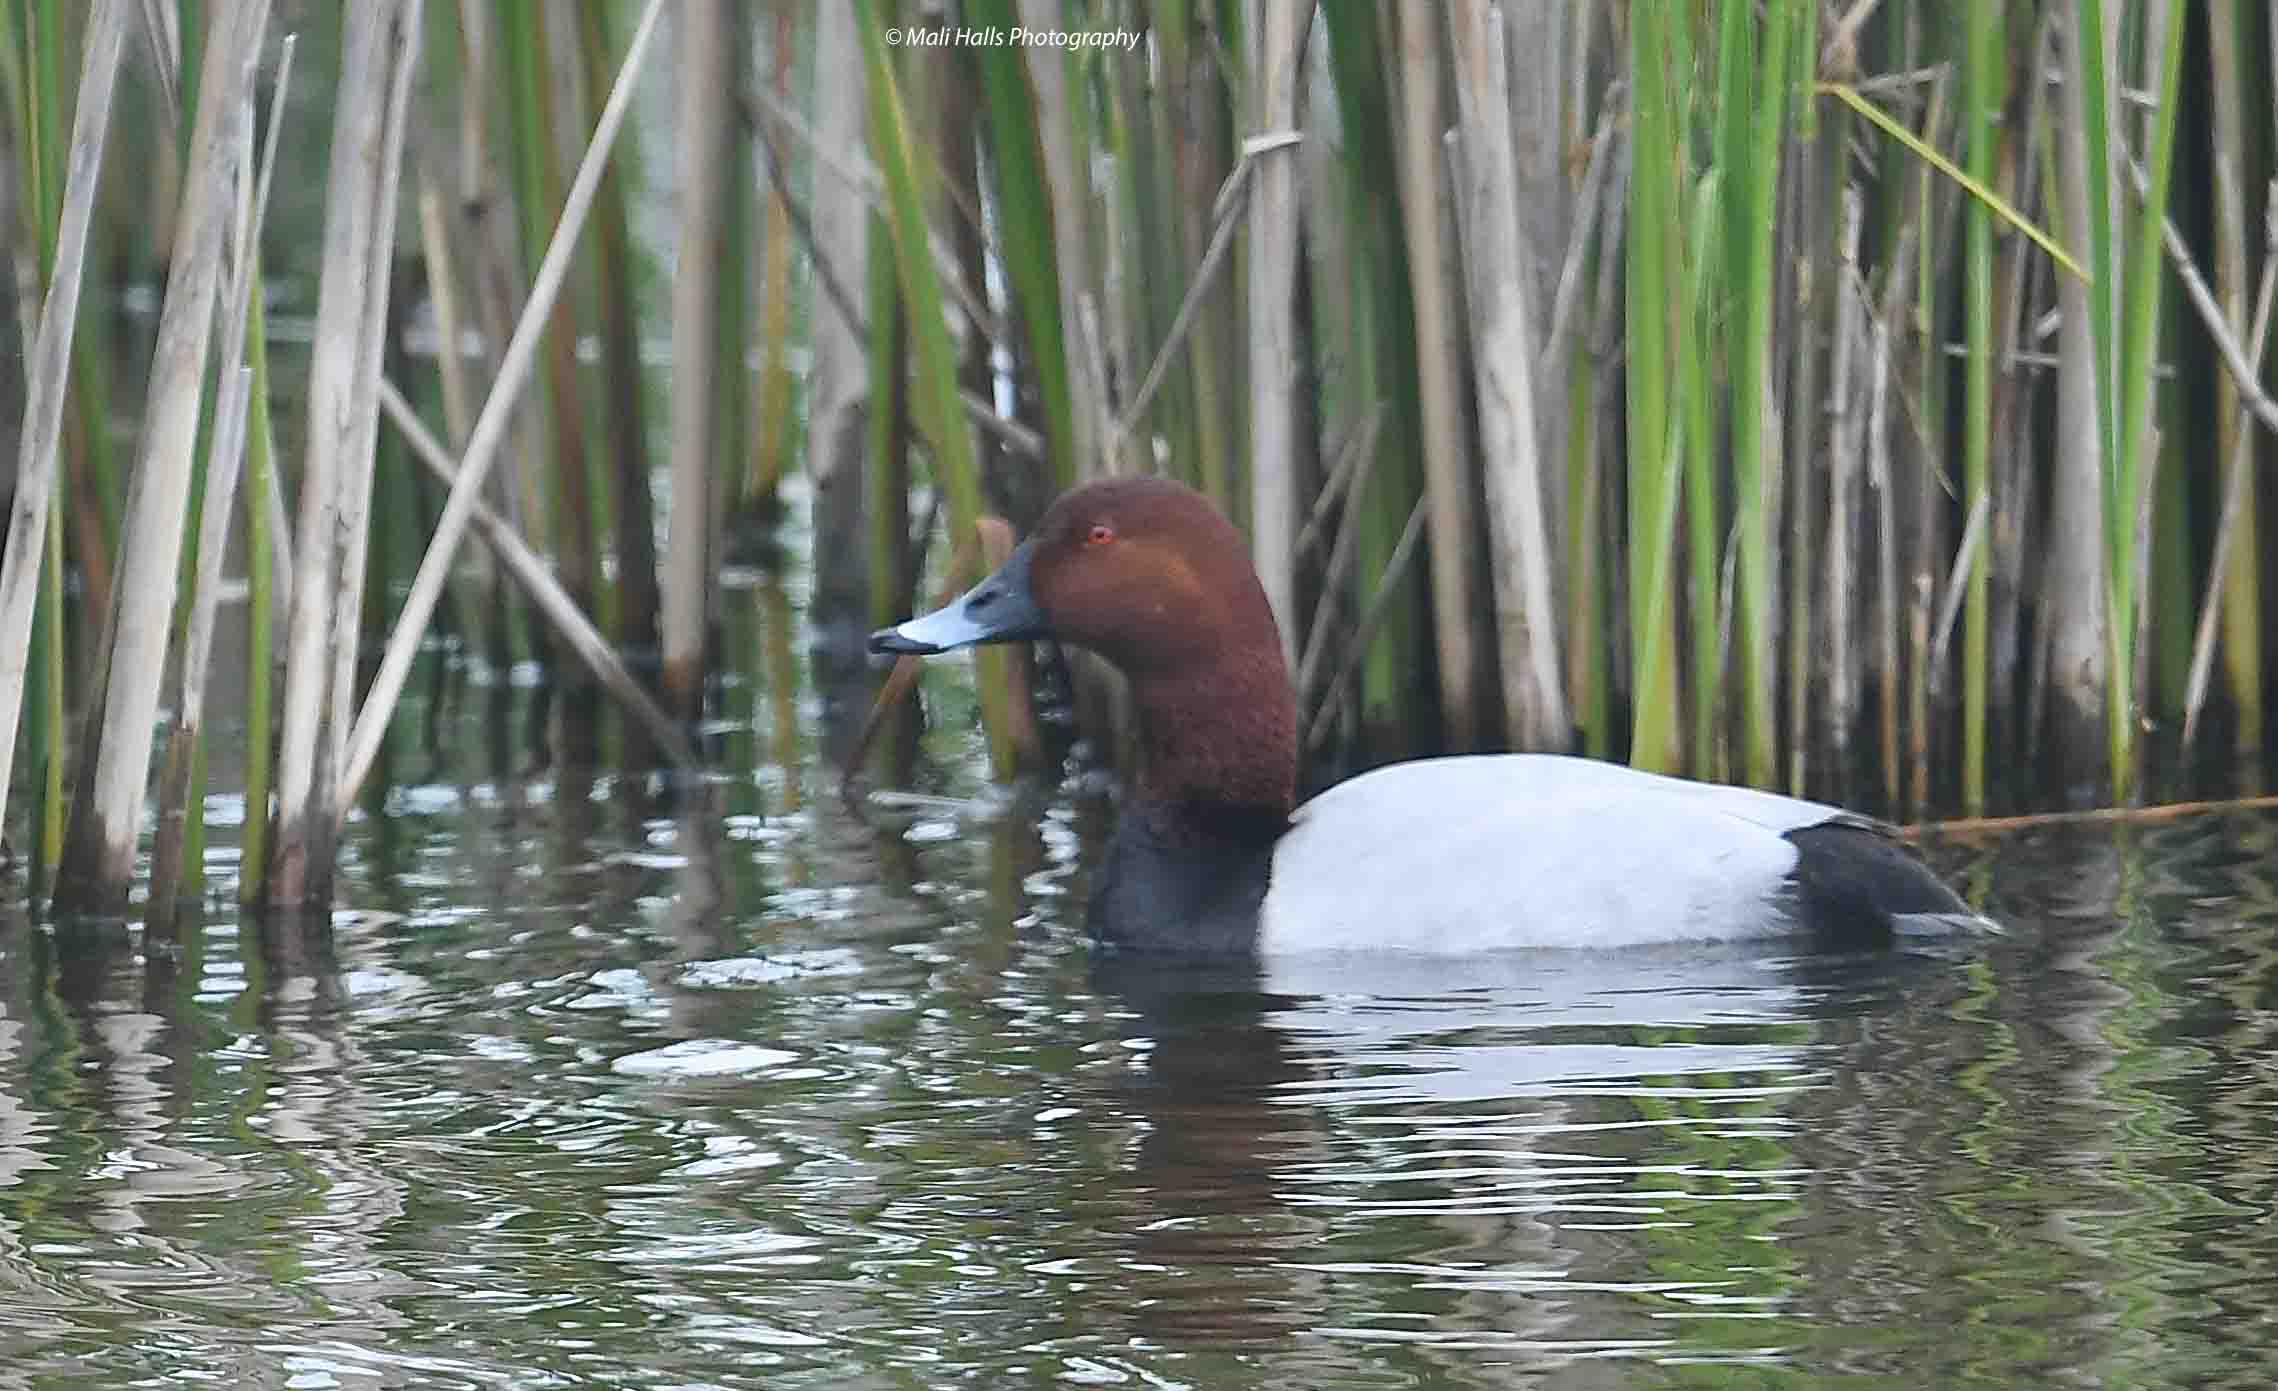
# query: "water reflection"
[[602, 1082]]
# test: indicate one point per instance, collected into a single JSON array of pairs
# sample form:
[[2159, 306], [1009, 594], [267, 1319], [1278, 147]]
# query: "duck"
[[1214, 856]]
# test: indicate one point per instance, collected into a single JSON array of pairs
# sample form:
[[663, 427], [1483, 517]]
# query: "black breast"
[[1186, 889]]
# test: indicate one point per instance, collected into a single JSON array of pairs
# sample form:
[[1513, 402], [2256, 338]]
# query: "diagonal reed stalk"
[[490, 427], [547, 595]]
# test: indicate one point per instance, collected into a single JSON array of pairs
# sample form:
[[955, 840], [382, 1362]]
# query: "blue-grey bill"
[[998, 609], [943, 630]]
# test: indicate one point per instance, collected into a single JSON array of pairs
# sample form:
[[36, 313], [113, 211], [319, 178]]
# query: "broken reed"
[[1816, 353]]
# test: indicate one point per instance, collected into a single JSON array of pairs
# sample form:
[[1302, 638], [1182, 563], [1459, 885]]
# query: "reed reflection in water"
[[601, 1084]]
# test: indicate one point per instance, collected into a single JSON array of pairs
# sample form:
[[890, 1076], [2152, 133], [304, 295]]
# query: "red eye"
[[1100, 534]]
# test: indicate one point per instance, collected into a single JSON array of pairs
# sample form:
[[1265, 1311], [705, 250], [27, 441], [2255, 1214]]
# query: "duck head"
[[1149, 575]]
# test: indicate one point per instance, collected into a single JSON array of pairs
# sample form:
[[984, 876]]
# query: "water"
[[587, 1093], [586, 1088]]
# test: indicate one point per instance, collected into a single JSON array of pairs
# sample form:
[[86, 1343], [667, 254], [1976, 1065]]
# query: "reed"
[[623, 412], [1755, 189], [1655, 298], [774, 436], [2076, 592], [556, 414], [706, 66], [1379, 365], [28, 561], [2144, 290], [325, 623], [264, 600], [938, 408], [1446, 441], [1060, 121], [1023, 197], [1502, 359], [490, 428], [1798, 398], [1272, 302], [176, 854], [548, 596], [2235, 74], [96, 871], [840, 418], [1982, 79], [35, 68]]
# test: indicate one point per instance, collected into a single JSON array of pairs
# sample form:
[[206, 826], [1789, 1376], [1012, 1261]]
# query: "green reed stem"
[[1024, 226], [1655, 284], [1704, 546], [1755, 181], [939, 410], [1983, 81], [261, 609]]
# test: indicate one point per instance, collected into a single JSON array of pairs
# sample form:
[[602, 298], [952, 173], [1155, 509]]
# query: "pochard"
[[1212, 855]]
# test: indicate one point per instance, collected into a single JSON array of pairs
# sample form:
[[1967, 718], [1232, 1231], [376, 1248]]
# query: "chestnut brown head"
[[1143, 571]]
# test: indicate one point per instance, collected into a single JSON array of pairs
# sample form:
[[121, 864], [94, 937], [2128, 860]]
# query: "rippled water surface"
[[586, 1090]]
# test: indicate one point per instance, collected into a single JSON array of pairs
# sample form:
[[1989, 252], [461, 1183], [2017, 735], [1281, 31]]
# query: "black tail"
[[1855, 885]]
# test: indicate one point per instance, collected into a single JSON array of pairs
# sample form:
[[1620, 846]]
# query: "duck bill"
[[998, 609]]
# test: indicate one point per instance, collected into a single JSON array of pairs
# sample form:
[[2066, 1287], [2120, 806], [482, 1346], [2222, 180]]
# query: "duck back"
[[1492, 852]]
